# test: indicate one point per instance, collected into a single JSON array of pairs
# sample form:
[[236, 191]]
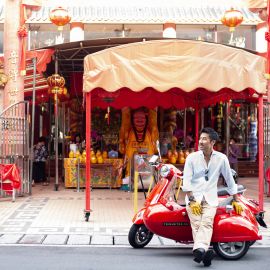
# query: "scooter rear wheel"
[[139, 236], [231, 250]]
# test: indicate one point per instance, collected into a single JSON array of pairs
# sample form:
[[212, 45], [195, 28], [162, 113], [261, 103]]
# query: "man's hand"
[[237, 207], [196, 208]]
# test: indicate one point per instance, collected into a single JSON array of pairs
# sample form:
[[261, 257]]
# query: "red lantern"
[[56, 85], [232, 18], [60, 17]]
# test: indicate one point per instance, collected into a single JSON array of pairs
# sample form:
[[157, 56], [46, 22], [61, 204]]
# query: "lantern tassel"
[[107, 115], [22, 34]]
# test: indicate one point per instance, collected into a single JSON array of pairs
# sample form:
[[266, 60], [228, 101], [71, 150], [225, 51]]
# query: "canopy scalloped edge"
[[166, 64]]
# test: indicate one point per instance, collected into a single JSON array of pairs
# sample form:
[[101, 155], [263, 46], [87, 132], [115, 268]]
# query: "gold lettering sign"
[[14, 57], [13, 74], [13, 92]]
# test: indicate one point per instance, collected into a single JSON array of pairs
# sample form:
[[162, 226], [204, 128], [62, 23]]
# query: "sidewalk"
[[51, 217]]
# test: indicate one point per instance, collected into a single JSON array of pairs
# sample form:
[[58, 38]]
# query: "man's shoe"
[[198, 254], [208, 257]]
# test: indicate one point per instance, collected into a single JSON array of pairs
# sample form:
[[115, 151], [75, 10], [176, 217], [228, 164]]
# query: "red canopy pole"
[[261, 169], [196, 128], [267, 37], [88, 159]]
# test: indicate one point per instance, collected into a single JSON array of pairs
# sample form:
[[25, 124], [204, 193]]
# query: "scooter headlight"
[[164, 171]]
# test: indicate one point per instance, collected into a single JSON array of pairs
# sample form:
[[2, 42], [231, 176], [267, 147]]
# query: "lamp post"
[[60, 17], [56, 87]]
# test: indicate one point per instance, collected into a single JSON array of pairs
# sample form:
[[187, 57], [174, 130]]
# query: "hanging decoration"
[[108, 97], [56, 85], [22, 34], [232, 18], [26, 7], [107, 115], [60, 17], [220, 119]]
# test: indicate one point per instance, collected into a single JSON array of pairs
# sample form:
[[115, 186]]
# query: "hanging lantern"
[[60, 17], [232, 18], [56, 85]]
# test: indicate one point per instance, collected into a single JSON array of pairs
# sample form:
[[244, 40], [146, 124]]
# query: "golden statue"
[[138, 133]]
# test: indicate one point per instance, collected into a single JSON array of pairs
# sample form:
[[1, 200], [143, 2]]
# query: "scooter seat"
[[223, 191]]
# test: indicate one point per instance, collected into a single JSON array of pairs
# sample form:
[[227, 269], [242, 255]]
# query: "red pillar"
[[88, 153], [14, 90], [261, 141], [268, 51]]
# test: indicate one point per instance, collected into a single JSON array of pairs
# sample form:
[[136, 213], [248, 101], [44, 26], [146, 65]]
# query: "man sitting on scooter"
[[201, 173]]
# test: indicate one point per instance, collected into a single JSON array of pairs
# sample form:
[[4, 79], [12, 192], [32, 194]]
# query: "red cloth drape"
[[43, 58], [10, 176], [150, 98]]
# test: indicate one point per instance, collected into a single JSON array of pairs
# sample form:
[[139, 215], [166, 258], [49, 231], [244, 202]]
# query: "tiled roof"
[[143, 14]]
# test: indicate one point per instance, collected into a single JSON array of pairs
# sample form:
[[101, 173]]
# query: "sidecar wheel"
[[139, 236], [231, 250]]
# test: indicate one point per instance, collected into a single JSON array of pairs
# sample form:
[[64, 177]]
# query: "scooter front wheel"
[[231, 250], [139, 236]]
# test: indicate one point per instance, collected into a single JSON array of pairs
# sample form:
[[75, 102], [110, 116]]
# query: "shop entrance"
[[188, 91]]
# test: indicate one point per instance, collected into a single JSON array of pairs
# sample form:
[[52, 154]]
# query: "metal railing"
[[14, 140]]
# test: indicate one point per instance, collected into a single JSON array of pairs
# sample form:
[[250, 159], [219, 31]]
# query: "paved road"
[[118, 258]]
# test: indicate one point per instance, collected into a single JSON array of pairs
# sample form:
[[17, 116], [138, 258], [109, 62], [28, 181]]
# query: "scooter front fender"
[[138, 217]]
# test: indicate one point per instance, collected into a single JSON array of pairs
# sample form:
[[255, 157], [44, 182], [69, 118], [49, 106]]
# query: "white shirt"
[[194, 176]]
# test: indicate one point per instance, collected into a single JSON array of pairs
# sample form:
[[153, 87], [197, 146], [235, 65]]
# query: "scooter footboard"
[[234, 228]]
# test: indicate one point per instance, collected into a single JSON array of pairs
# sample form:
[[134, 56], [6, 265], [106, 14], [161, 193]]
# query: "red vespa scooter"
[[161, 215]]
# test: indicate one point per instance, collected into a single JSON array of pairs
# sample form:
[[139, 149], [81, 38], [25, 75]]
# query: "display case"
[[104, 175]]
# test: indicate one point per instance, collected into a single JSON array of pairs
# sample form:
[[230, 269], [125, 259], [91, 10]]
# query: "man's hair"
[[213, 135]]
